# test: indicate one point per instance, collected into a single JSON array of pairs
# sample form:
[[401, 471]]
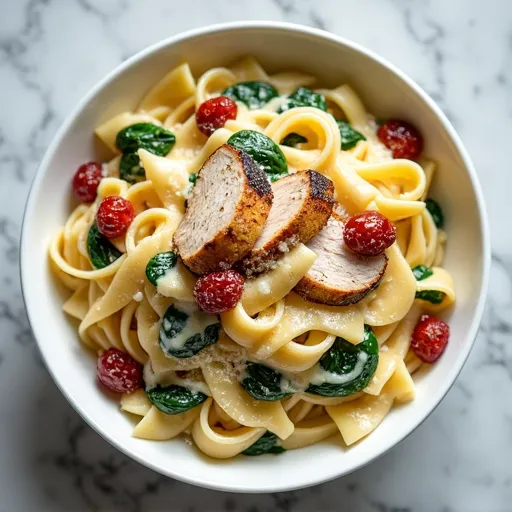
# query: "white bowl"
[[387, 92]]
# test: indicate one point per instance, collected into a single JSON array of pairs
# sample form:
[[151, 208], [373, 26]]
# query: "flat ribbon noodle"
[[301, 316], [220, 443], [297, 357], [160, 427], [130, 277], [272, 286], [440, 281], [170, 91], [310, 432], [244, 409], [395, 294]]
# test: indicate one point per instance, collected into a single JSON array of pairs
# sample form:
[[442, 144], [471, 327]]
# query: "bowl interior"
[[386, 93]]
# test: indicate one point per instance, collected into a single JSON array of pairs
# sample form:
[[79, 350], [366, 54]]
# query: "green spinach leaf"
[[304, 97], [263, 383], [436, 212], [101, 251], [192, 178], [267, 443], [182, 345], [148, 136], [432, 296], [292, 139], [263, 150], [254, 94], [421, 272], [130, 169], [349, 367], [159, 264], [349, 136], [175, 399]]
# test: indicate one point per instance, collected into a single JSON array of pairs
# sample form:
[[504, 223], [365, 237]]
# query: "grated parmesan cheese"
[[264, 287], [138, 297], [282, 247]]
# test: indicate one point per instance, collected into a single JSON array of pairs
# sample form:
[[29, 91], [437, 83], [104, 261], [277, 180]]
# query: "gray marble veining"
[[53, 51]]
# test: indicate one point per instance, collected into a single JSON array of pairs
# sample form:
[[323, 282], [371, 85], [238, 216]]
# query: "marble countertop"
[[53, 51]]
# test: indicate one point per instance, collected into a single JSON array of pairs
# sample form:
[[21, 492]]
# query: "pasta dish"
[[258, 266]]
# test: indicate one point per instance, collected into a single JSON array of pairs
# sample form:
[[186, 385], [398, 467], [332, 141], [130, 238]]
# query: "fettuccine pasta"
[[277, 371]]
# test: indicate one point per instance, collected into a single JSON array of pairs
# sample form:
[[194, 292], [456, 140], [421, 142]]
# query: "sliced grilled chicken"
[[339, 277], [226, 212], [301, 206]]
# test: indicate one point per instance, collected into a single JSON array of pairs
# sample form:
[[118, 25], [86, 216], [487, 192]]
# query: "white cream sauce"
[[164, 379], [196, 323], [320, 376]]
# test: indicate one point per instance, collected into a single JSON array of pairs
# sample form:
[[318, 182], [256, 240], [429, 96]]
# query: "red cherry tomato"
[[219, 291], [114, 216], [369, 233], [402, 138], [118, 371], [86, 180], [429, 338], [214, 113]]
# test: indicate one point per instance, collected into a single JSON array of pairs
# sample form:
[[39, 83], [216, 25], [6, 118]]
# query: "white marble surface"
[[53, 51]]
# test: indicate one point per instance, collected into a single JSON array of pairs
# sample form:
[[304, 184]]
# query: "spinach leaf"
[[159, 264], [254, 94], [421, 272], [263, 150], [130, 169], [175, 399], [267, 443], [263, 383], [350, 367], [180, 344], [432, 296], [148, 136], [192, 178], [436, 212], [101, 251], [349, 136], [303, 97], [292, 139]]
